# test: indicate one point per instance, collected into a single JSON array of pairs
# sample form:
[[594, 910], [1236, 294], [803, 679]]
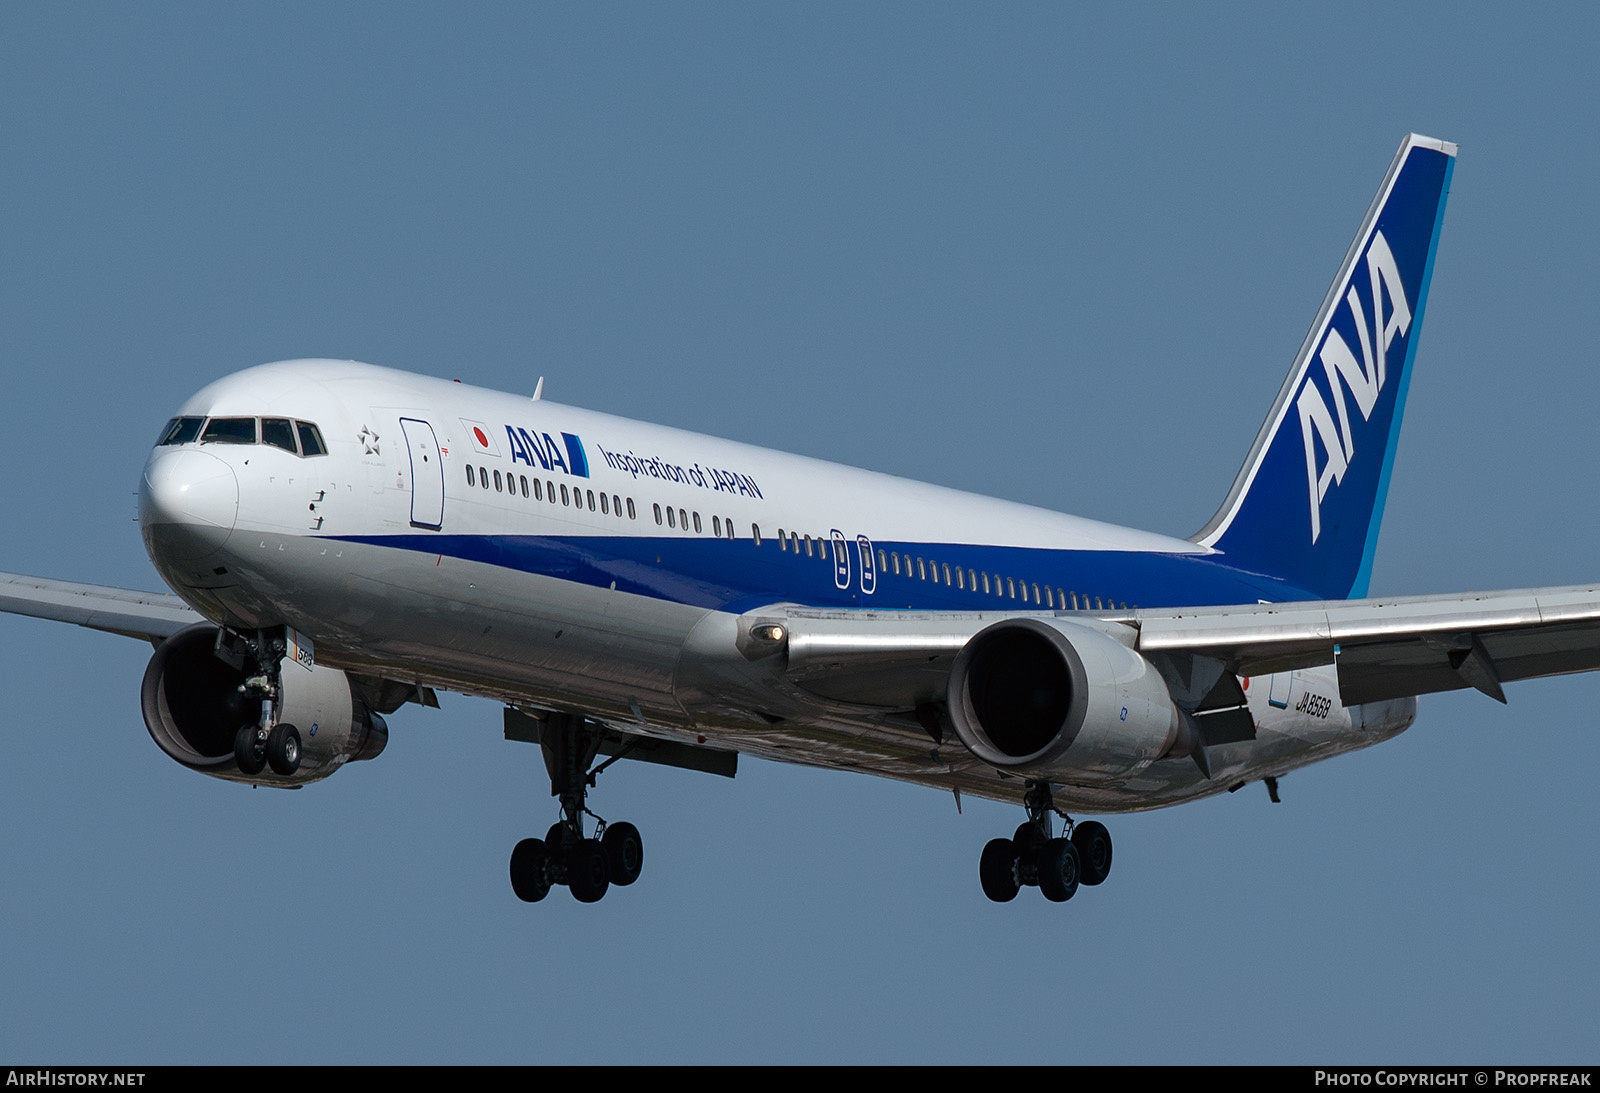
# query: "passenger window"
[[471, 478], [1048, 602], [946, 567], [729, 525], [524, 479], [683, 520], [697, 523], [310, 439], [670, 522], [755, 534], [961, 578], [716, 525], [277, 432], [783, 540], [181, 430], [616, 505], [591, 500], [922, 572], [809, 553], [497, 481], [538, 490], [566, 498], [483, 476], [1035, 593], [229, 430], [605, 509], [658, 515], [550, 491], [883, 559], [631, 514]]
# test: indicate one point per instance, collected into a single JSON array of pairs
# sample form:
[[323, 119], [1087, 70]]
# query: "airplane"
[[344, 539]]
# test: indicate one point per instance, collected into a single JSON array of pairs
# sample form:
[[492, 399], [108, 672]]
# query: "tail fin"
[[1308, 500]]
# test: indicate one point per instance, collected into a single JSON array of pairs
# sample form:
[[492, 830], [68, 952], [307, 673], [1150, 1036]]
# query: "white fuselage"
[[558, 558]]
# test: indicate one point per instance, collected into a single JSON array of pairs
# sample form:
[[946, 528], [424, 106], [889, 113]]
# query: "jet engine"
[[1054, 699], [193, 707]]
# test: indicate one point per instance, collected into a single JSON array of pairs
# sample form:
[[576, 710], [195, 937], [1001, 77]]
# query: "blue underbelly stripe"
[[736, 575]]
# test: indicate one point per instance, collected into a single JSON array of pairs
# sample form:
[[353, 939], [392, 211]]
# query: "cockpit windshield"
[[181, 430], [229, 430], [295, 437]]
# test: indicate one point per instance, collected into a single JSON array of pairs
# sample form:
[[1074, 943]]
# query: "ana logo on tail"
[[1364, 379]]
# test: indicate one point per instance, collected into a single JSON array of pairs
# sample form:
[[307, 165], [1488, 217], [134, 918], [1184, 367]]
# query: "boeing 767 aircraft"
[[343, 539]]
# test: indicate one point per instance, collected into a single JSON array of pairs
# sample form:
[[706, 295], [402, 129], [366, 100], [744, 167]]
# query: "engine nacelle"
[[193, 707], [1060, 701]]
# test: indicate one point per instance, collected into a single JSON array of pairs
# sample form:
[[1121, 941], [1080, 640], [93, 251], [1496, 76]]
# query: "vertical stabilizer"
[[1308, 501]]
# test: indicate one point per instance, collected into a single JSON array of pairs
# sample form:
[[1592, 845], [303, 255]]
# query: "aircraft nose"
[[188, 502]]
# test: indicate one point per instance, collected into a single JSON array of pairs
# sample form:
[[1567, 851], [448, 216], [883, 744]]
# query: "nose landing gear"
[[589, 866], [1034, 855]]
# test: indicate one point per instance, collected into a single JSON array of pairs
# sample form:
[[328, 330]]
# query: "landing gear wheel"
[[1058, 870], [588, 875], [624, 853], [250, 758], [1029, 844], [528, 878], [553, 840], [997, 870], [283, 749], [1094, 851]]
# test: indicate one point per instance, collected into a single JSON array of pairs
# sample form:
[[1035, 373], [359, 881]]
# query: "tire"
[[528, 875], [624, 853], [588, 875], [553, 837], [1028, 846], [250, 758], [283, 749], [1058, 870], [1094, 851], [997, 870]]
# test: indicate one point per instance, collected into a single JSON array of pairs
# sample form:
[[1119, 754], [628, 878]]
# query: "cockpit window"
[[181, 430], [278, 432], [310, 439], [229, 430]]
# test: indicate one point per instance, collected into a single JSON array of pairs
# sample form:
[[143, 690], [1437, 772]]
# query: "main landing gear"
[[261, 742], [589, 866], [1056, 864]]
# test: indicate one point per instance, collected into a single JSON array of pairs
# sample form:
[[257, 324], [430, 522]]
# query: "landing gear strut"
[[265, 742], [1034, 855], [589, 866]]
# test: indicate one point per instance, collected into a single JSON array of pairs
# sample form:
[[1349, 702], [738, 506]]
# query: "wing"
[[1383, 648], [152, 616]]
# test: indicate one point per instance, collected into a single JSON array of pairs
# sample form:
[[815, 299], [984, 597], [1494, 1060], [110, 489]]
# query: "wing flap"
[[1384, 648]]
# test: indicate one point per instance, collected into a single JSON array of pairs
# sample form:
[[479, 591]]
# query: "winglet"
[[1308, 501]]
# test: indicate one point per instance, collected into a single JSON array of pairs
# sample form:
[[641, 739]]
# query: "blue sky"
[[1050, 254]]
